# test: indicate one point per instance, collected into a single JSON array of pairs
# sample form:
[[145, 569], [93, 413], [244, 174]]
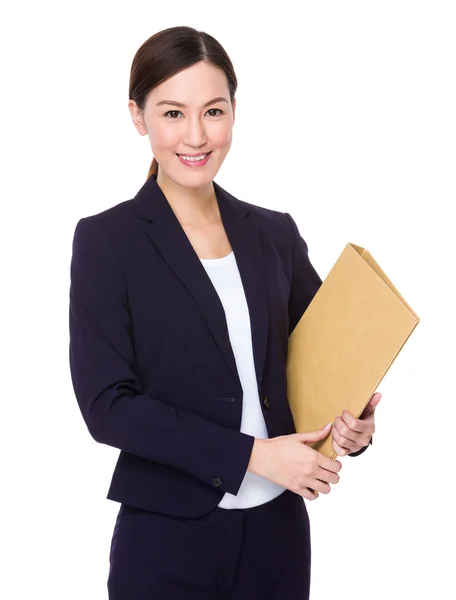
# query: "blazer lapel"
[[165, 231]]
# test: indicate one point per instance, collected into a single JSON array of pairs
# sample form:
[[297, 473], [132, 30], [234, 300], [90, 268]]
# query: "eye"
[[169, 112]]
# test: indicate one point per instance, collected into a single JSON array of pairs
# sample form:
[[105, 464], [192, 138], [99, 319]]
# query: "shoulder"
[[115, 220], [118, 212]]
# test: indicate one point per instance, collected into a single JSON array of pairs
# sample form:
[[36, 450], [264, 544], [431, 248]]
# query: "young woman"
[[182, 300]]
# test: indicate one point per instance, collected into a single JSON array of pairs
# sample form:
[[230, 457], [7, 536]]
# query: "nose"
[[195, 135]]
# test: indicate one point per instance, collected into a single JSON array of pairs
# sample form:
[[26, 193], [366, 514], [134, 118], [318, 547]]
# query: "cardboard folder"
[[345, 342]]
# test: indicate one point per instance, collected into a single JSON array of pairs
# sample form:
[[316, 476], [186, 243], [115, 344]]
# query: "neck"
[[197, 206]]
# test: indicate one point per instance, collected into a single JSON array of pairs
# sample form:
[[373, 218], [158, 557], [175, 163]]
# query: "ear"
[[137, 117], [234, 108]]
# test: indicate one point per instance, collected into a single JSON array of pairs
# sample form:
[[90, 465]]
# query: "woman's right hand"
[[289, 462]]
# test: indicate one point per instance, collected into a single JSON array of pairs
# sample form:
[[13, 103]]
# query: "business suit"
[[151, 361]]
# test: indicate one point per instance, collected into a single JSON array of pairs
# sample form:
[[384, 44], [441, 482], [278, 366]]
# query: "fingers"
[[308, 494], [327, 463], [347, 421], [341, 445], [345, 439], [328, 476], [339, 449], [341, 427], [325, 471], [318, 487], [323, 478]]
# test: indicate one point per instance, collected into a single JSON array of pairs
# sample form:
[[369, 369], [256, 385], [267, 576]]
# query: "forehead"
[[195, 84]]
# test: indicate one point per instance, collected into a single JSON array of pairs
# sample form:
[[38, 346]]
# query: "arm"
[[305, 284], [101, 357], [305, 279]]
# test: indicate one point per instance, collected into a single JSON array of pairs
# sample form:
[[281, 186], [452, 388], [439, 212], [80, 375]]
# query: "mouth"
[[194, 160], [201, 154]]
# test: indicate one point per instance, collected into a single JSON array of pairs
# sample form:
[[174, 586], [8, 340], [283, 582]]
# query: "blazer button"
[[266, 402], [217, 481]]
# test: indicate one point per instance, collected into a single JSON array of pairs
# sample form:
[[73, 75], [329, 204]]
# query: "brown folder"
[[345, 342]]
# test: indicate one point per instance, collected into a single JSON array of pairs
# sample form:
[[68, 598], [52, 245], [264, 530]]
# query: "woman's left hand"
[[350, 434]]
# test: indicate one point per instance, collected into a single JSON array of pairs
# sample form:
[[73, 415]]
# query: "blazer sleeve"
[[101, 356], [305, 279], [304, 286]]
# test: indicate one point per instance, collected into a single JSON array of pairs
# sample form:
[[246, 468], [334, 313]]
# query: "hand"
[[350, 434], [289, 462]]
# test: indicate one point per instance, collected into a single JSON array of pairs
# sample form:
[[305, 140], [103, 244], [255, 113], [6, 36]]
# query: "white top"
[[225, 277]]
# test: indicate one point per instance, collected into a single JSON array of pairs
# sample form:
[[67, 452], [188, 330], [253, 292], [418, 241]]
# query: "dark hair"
[[166, 53]]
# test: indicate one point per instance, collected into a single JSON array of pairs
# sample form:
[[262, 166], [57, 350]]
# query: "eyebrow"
[[181, 105]]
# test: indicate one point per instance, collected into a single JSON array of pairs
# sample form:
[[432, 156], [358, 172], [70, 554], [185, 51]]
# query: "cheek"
[[220, 137], [164, 137]]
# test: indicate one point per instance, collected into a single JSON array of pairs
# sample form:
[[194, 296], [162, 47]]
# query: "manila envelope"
[[344, 343]]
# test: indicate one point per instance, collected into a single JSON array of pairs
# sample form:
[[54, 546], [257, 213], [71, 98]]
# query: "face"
[[188, 114]]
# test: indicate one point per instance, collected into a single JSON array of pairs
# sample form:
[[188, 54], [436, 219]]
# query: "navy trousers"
[[257, 553]]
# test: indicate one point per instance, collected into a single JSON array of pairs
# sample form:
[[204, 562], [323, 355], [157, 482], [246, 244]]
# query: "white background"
[[346, 119]]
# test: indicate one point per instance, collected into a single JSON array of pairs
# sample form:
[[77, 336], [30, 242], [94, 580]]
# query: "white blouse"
[[226, 279]]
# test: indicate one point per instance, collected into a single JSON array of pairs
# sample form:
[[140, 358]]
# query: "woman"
[[182, 300]]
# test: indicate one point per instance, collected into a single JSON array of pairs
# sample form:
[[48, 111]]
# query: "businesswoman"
[[182, 300]]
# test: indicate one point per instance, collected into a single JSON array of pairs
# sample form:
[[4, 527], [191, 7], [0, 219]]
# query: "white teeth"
[[193, 158]]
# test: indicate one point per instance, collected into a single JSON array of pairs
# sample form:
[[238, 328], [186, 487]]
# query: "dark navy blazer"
[[151, 361]]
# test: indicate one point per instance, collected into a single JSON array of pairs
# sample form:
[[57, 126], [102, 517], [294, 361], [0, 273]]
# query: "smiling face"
[[188, 114]]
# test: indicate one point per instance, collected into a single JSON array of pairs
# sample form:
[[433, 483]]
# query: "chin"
[[196, 177]]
